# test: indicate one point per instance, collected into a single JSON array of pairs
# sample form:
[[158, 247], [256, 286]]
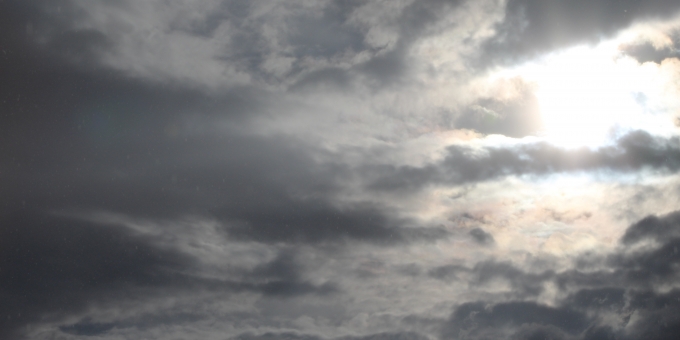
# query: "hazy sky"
[[340, 170]]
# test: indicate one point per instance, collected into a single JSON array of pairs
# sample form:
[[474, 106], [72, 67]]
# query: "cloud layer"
[[332, 170]]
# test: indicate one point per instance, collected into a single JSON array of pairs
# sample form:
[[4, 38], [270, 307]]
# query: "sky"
[[340, 170]]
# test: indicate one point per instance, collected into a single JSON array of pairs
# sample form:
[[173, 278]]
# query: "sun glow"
[[587, 93]]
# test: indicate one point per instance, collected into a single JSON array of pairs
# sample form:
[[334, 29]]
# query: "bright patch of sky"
[[589, 94]]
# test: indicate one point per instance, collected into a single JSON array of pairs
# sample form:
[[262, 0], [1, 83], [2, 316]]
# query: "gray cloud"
[[52, 264], [475, 321], [295, 336], [158, 176], [135, 152], [88, 327], [633, 152], [653, 227], [523, 283], [645, 52], [314, 221], [628, 284], [447, 272], [532, 26], [481, 236]]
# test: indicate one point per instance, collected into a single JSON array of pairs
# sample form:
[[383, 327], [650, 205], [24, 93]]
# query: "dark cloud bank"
[[52, 265], [78, 137]]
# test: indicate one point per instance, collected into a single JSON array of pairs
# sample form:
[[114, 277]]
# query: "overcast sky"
[[340, 170]]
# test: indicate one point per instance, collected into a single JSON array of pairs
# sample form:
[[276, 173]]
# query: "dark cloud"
[[477, 321], [646, 52], [532, 27], [651, 267], [122, 146], [315, 221], [606, 298], [330, 77], [411, 269], [327, 34], [634, 267], [629, 284], [481, 236], [283, 278], [276, 336], [659, 315], [296, 336], [523, 283], [447, 272], [415, 21], [653, 227], [53, 264], [527, 321], [39, 35], [635, 151], [600, 333], [88, 328], [85, 139], [50, 264], [535, 332], [85, 130], [127, 146]]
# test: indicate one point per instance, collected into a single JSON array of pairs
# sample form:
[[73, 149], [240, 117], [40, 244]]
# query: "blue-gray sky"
[[339, 170]]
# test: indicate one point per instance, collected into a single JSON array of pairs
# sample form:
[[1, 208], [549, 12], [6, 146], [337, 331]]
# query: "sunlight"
[[584, 93]]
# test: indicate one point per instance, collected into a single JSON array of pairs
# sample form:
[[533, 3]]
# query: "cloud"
[[214, 44], [138, 152], [481, 236], [447, 272], [52, 264], [315, 221], [653, 227], [645, 52], [620, 301], [474, 321], [532, 27], [55, 264], [298, 170], [606, 298], [635, 151], [155, 151], [283, 278], [486, 273], [295, 336]]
